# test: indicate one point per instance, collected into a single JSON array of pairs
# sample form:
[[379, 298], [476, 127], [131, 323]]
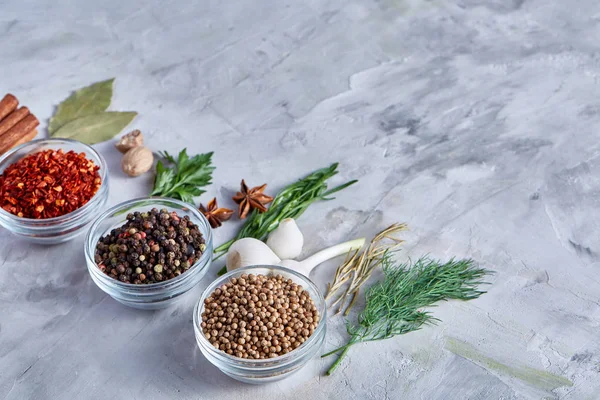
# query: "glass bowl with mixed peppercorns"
[[50, 189], [260, 324], [146, 253]]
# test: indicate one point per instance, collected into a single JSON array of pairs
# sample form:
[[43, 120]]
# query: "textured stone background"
[[474, 121]]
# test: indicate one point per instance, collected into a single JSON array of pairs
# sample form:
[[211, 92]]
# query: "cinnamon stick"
[[17, 132], [27, 138], [12, 119], [7, 105]]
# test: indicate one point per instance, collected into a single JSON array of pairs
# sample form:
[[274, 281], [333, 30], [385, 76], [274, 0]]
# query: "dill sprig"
[[394, 305], [291, 202]]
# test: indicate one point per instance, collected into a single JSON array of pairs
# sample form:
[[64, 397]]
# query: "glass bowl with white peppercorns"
[[260, 324], [146, 253]]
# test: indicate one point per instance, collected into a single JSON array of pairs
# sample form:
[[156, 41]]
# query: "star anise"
[[214, 214], [251, 199]]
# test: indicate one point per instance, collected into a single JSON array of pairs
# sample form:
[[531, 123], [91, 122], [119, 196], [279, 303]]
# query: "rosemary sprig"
[[358, 267], [291, 202], [394, 305]]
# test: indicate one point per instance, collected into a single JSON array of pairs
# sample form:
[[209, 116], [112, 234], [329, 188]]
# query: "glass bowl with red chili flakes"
[[50, 189]]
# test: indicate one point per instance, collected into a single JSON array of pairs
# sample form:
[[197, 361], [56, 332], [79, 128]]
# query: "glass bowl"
[[66, 227], [154, 295], [270, 369]]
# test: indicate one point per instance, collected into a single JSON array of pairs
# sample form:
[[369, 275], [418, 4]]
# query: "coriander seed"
[[259, 316]]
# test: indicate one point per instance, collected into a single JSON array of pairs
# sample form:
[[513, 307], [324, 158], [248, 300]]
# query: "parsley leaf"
[[182, 178]]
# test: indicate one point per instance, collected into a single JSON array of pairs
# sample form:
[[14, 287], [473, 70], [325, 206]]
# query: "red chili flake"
[[48, 184]]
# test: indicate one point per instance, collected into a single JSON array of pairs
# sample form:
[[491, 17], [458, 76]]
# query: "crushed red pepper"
[[48, 184]]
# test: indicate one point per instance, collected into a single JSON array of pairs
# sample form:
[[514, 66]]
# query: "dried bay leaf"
[[90, 100], [96, 128]]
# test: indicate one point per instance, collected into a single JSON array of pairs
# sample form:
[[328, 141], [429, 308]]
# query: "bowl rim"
[[267, 363], [103, 172], [89, 247]]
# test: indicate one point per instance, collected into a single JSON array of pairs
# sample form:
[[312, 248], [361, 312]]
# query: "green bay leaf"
[[96, 128], [89, 100]]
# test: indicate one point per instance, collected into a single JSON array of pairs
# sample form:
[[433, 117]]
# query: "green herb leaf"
[[186, 176], [90, 100], [168, 157], [96, 128], [394, 306], [164, 176]]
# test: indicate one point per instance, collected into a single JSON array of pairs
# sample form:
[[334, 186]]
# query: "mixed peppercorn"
[[150, 247], [48, 184], [259, 316]]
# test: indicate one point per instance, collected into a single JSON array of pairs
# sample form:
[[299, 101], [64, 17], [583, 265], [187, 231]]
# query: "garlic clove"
[[306, 266], [297, 266], [286, 240], [249, 251]]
